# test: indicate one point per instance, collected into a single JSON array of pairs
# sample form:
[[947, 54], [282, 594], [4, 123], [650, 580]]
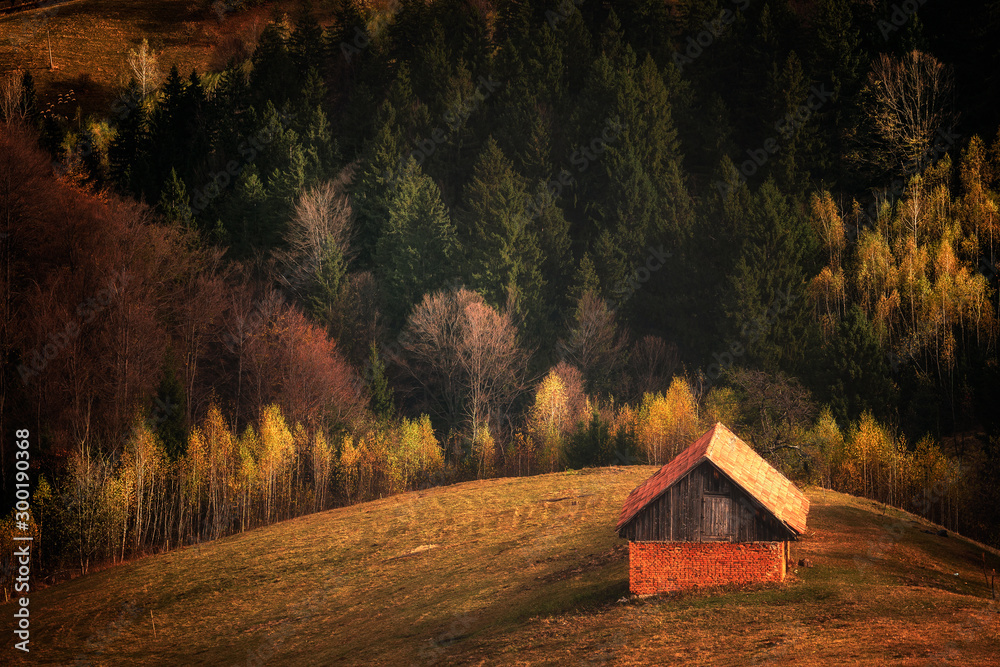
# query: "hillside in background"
[[517, 571], [90, 41]]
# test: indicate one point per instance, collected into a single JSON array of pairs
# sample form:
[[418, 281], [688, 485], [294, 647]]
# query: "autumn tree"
[[667, 422], [144, 67], [594, 343], [464, 357], [912, 105], [560, 406]]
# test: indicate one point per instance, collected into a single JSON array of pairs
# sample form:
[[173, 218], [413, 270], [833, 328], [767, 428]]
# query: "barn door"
[[717, 518]]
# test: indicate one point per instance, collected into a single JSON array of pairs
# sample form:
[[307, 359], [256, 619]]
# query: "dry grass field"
[[521, 571], [90, 41]]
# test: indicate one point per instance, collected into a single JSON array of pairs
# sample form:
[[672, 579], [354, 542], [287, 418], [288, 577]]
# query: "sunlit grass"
[[511, 571]]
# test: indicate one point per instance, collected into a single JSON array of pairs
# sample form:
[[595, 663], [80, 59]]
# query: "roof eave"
[[624, 522]]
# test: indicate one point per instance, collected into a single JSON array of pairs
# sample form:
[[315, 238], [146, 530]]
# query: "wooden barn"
[[717, 514]]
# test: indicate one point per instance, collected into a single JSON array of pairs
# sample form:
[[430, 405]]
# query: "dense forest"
[[468, 238]]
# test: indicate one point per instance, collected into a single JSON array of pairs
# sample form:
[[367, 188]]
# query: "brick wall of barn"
[[661, 567]]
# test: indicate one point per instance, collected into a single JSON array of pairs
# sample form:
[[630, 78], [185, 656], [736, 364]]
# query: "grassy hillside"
[[521, 571], [90, 40]]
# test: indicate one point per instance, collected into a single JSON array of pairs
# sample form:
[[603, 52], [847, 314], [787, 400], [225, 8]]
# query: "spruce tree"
[[499, 251], [377, 177], [767, 305], [174, 202], [416, 252], [378, 385]]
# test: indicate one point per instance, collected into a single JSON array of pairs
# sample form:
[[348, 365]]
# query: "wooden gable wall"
[[705, 506]]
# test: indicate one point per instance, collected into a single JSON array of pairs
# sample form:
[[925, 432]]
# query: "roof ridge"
[[736, 458]]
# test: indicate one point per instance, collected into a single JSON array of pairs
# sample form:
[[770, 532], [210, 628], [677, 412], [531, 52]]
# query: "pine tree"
[[585, 280], [29, 99], [126, 154], [324, 295], [797, 137], [307, 43], [378, 177], [274, 76], [245, 215], [766, 305], [838, 58], [416, 252], [854, 374], [378, 385], [167, 416], [174, 202], [501, 253]]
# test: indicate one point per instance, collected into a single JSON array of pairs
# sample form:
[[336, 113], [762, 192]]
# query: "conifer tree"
[[500, 252], [174, 202], [766, 304], [416, 252], [373, 186]]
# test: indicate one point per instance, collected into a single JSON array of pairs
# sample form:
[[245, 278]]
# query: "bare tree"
[[651, 365], [492, 363], [322, 219], [144, 67], [10, 95], [913, 102], [464, 356], [780, 407], [594, 344]]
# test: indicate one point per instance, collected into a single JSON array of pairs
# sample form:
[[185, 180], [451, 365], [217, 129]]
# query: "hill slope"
[[90, 40], [521, 571]]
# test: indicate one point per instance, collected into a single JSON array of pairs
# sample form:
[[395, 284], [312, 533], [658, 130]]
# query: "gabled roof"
[[743, 465]]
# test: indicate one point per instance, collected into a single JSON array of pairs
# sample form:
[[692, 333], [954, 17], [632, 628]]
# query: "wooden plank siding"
[[705, 505]]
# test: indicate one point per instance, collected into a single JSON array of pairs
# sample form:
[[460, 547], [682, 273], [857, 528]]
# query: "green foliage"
[[168, 413], [323, 298], [546, 194], [857, 375], [766, 304], [417, 251], [501, 252], [378, 386], [591, 445], [174, 202]]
